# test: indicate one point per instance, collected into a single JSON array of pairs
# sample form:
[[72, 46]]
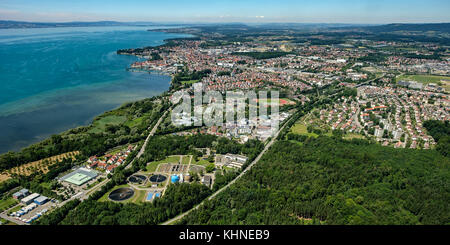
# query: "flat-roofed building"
[[29, 199], [41, 200], [80, 176]]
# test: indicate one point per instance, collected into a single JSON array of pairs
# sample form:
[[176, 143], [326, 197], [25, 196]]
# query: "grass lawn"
[[7, 203], [426, 79], [134, 122], [151, 167], [190, 82], [201, 162], [139, 196], [300, 128], [186, 159], [15, 209], [100, 125]]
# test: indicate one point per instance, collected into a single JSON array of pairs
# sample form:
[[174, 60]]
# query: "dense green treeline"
[[59, 214], [331, 181], [440, 131], [178, 198]]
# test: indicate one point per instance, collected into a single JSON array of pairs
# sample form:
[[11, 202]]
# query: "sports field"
[[79, 177], [426, 79], [281, 102]]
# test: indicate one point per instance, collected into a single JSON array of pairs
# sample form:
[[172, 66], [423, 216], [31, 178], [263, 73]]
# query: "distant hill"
[[7, 24], [438, 27]]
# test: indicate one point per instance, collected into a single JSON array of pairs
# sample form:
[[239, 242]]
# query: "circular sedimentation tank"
[[121, 194], [137, 179], [158, 178]]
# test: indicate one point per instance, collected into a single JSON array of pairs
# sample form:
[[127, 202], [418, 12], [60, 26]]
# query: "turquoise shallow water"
[[55, 79]]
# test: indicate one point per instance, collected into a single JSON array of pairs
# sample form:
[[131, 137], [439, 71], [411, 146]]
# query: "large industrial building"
[[29, 199], [41, 200], [21, 194], [80, 176]]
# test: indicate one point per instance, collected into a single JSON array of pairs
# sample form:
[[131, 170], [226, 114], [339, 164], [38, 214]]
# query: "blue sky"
[[304, 11]]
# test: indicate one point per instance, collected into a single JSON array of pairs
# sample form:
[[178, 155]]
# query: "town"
[[349, 85]]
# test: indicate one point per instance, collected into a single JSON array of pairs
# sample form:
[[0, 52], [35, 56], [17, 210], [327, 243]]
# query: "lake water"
[[54, 79]]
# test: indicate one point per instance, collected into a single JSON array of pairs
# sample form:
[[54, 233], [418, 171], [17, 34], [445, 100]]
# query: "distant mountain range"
[[437, 27], [7, 24]]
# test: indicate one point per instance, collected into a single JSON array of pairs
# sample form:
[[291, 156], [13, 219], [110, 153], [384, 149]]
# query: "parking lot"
[[39, 209]]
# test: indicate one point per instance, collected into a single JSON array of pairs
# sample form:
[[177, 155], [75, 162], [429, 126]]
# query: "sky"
[[247, 11]]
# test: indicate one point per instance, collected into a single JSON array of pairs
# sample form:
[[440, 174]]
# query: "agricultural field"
[[32, 167]]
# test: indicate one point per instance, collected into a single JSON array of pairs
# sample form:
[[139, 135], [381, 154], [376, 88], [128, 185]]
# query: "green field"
[[7, 203], [200, 162], [301, 129], [139, 196], [100, 125], [151, 167], [426, 79], [190, 82], [134, 122], [15, 209], [186, 159]]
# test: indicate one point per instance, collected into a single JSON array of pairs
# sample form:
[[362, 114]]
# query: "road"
[[141, 152], [85, 195], [266, 148], [5, 216]]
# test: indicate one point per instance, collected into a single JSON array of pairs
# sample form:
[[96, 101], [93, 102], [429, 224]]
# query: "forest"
[[440, 131], [329, 180]]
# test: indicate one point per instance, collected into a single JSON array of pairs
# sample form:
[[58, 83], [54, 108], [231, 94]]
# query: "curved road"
[[266, 148]]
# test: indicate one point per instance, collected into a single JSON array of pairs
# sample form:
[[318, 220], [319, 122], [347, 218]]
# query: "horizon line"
[[225, 22]]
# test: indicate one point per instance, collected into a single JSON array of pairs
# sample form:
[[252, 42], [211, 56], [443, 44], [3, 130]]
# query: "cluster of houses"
[[109, 162]]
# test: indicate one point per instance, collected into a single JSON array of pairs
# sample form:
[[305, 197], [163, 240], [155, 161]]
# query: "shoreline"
[[52, 99]]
